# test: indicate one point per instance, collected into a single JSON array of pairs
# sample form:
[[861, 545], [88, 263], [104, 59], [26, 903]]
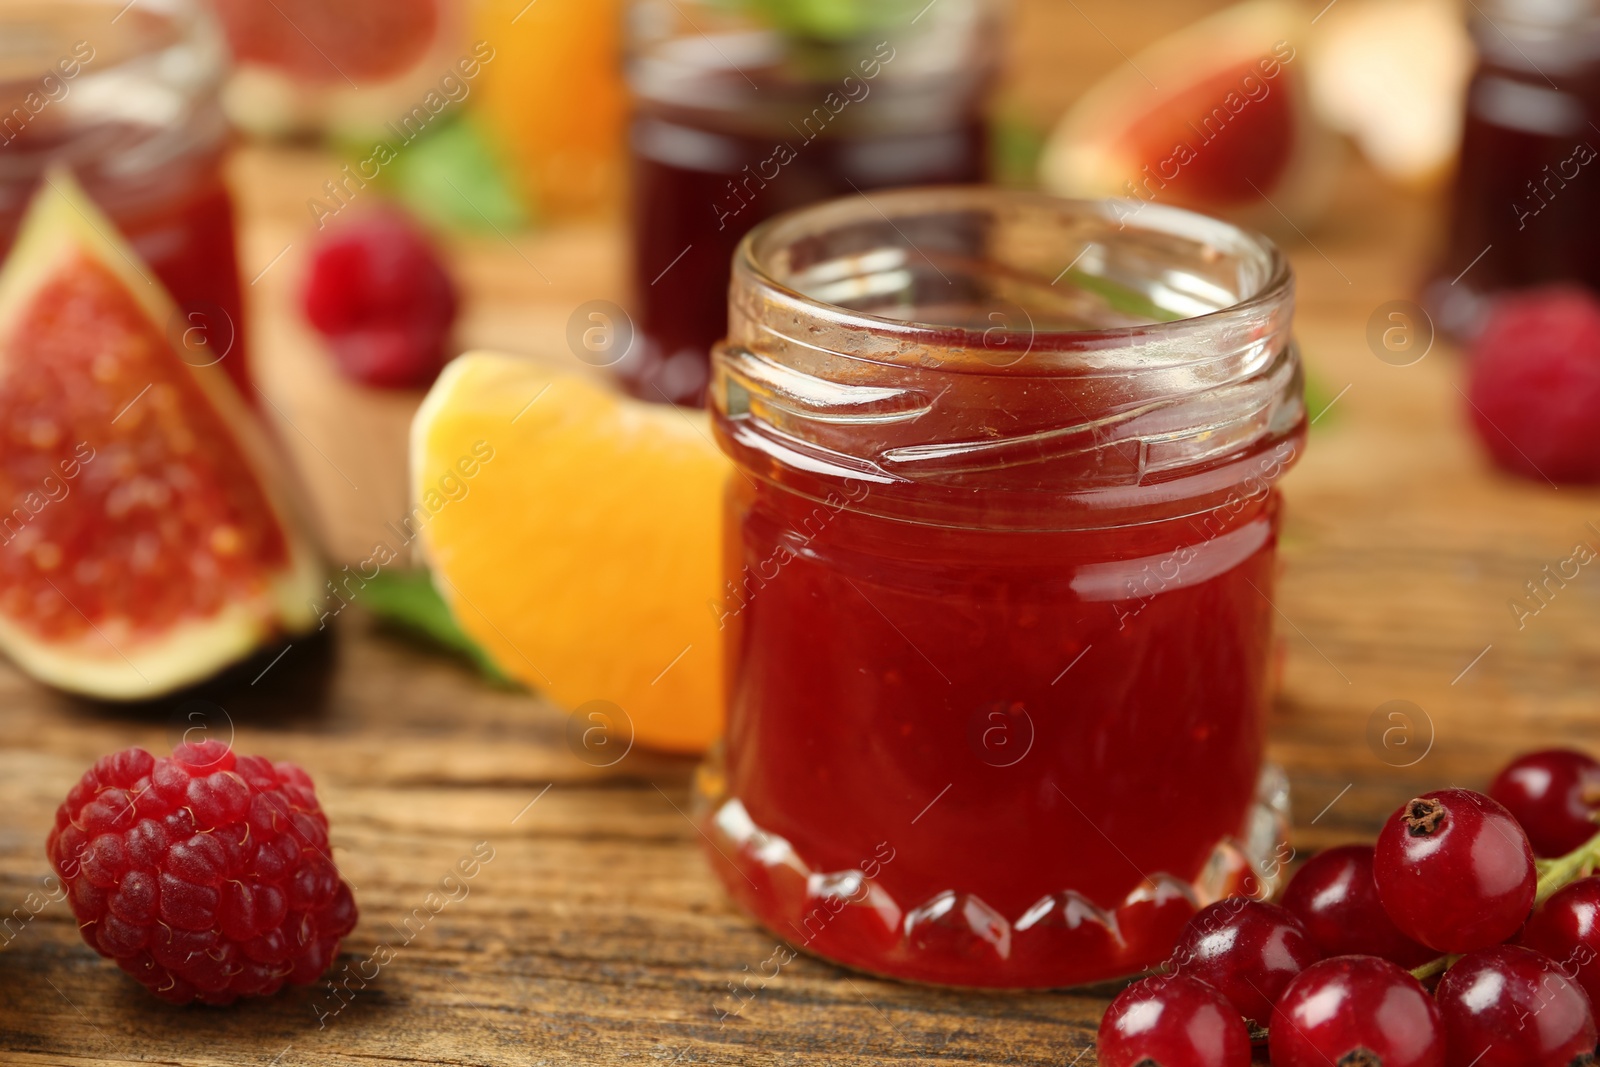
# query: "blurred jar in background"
[[1527, 195], [554, 99], [746, 108], [126, 96]]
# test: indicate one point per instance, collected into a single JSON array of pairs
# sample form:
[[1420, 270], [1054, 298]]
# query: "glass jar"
[[746, 108], [127, 97], [1527, 193], [1000, 557]]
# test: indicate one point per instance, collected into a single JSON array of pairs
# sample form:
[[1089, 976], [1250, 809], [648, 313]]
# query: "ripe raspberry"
[[1535, 385], [205, 876], [378, 292]]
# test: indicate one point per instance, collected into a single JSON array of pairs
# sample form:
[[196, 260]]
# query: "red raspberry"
[[205, 876], [378, 292], [1535, 384]]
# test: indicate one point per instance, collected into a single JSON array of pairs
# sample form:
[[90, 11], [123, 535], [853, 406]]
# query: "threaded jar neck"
[[1008, 358]]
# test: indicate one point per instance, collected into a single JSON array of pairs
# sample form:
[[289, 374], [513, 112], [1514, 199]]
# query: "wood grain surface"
[[595, 934]]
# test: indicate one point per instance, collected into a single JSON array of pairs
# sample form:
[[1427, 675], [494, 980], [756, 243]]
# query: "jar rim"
[[1083, 426], [1275, 286], [124, 107], [156, 26]]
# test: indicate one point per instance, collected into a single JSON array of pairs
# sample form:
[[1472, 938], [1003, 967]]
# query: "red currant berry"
[[1566, 928], [1356, 1011], [1509, 1006], [1246, 950], [1553, 794], [1455, 871], [1334, 896], [1172, 1021]]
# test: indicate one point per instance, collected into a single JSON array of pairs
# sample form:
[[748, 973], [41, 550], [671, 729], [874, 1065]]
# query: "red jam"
[[1525, 209], [739, 124], [997, 678], [689, 216], [158, 176]]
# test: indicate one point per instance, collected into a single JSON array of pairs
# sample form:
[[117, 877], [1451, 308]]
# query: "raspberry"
[[1535, 385], [378, 292], [205, 876]]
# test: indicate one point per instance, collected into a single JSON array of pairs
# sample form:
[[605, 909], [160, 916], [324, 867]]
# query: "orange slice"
[[568, 156], [576, 534]]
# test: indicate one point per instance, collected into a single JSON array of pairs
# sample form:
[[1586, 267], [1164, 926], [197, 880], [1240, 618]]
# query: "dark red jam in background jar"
[[133, 109], [739, 116], [1000, 560], [1527, 195]]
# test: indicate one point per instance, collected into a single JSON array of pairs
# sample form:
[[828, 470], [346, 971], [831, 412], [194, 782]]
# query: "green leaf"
[[408, 600], [829, 21], [452, 177], [1122, 298], [1318, 397], [1017, 144]]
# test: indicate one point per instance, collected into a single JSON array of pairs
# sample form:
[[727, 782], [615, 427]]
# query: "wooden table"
[[596, 935]]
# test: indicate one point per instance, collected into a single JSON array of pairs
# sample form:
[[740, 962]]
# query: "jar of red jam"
[[127, 96], [743, 109], [1525, 209], [1000, 557]]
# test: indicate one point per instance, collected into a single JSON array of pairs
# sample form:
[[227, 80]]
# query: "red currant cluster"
[[1491, 899]]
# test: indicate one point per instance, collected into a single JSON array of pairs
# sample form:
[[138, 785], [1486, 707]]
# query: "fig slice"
[[1216, 117], [149, 535]]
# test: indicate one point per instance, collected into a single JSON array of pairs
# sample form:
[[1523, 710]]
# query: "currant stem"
[[1433, 967], [1565, 870]]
